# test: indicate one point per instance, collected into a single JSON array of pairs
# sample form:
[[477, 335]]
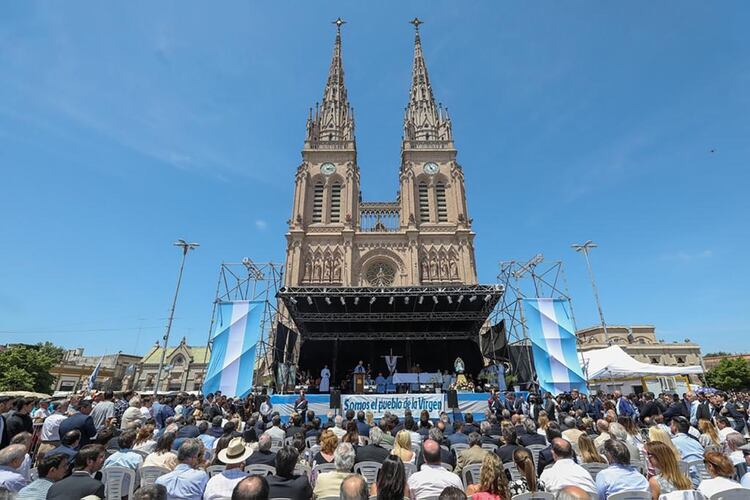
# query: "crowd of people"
[[571, 446]]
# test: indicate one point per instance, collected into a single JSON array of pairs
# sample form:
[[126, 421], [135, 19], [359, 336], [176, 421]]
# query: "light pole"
[[186, 247], [585, 248]]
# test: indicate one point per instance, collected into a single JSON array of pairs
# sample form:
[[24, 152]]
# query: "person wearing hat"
[[233, 456]]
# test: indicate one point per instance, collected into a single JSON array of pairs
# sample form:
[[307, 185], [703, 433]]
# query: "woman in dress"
[[328, 443], [162, 455], [587, 451], [709, 434], [402, 447], [492, 484], [528, 482], [721, 470], [391, 484], [668, 476]]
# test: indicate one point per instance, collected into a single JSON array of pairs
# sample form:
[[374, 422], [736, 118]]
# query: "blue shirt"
[[380, 382], [208, 441], [184, 483], [617, 478], [689, 448], [125, 458], [11, 479], [35, 490]]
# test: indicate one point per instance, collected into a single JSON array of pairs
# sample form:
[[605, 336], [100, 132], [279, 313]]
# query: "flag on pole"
[[92, 377], [233, 349], [553, 342]]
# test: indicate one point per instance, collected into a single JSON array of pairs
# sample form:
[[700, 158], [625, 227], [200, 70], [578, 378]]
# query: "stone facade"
[[116, 371], [640, 342], [185, 368], [424, 237]]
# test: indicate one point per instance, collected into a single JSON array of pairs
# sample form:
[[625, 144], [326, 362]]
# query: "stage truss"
[[247, 280], [532, 279]]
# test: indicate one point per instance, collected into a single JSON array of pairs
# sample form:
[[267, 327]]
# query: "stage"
[[378, 404]]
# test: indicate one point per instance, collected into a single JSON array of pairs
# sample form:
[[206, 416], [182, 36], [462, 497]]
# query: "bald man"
[[432, 479], [573, 493], [565, 472]]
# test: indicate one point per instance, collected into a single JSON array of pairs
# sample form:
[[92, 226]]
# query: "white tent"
[[613, 362]]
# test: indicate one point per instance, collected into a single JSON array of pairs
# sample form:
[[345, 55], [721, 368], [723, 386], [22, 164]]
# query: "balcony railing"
[[379, 217]]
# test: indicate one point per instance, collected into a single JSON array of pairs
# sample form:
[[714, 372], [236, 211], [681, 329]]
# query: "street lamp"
[[585, 248], [186, 247]]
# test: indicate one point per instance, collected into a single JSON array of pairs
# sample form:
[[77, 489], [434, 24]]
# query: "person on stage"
[[266, 408], [325, 380], [300, 406], [494, 404], [380, 383], [360, 368]]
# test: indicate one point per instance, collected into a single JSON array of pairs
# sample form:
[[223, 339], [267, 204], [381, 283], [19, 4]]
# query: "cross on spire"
[[339, 23], [416, 22]]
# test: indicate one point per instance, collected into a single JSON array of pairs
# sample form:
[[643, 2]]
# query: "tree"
[[27, 367], [729, 374], [717, 353]]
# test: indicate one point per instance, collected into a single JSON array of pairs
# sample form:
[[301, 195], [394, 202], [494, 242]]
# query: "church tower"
[[424, 237]]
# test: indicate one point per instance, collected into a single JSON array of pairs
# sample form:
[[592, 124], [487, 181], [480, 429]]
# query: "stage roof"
[[403, 313]]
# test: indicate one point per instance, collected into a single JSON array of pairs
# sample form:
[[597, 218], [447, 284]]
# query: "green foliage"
[[730, 374], [27, 367], [510, 380], [717, 353]]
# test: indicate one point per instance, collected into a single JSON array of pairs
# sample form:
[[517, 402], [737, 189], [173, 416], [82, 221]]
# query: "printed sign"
[[395, 404]]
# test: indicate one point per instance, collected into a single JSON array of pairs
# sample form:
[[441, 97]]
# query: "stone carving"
[[322, 267], [439, 266]]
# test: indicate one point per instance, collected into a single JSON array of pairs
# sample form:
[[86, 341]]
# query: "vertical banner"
[[233, 349], [553, 342]]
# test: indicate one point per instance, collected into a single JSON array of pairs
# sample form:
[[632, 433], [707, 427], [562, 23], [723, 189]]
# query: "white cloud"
[[685, 257], [261, 224]]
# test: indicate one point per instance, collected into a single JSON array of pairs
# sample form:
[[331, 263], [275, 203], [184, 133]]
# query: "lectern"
[[359, 383]]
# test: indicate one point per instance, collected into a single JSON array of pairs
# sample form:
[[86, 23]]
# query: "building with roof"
[[184, 368], [116, 371]]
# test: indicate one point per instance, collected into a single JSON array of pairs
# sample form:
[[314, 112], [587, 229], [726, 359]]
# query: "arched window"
[[317, 214], [178, 360], [442, 208], [424, 203], [335, 203]]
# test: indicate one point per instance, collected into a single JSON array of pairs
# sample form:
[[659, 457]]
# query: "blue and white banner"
[[395, 404], [553, 342], [235, 339]]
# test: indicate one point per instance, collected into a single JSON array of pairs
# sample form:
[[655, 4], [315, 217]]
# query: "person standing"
[[325, 380], [80, 421], [300, 405], [104, 410], [18, 419], [50, 435]]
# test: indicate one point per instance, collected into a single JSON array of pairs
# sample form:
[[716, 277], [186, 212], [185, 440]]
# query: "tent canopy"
[[613, 362]]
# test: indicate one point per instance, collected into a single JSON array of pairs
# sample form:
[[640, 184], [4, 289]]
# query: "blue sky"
[[124, 126]]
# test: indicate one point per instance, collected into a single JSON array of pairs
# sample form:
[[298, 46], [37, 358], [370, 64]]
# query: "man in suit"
[[372, 452], [363, 428], [458, 436], [80, 421], [284, 484], [80, 484], [69, 443], [676, 409], [263, 455], [545, 456], [473, 455], [650, 408], [731, 411], [484, 432], [469, 425], [300, 406], [531, 436], [702, 410]]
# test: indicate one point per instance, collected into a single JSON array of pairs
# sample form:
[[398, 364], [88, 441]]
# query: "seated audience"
[[144, 439], [125, 456], [564, 471], [525, 464], [51, 468], [669, 477], [721, 470], [233, 456], [263, 455], [620, 475], [285, 484], [372, 452], [391, 483], [11, 459], [510, 444], [402, 447], [474, 454], [709, 435], [492, 483], [588, 452], [253, 487], [151, 492], [452, 493], [328, 484], [186, 481], [162, 455], [81, 483], [531, 436], [432, 478], [353, 487]]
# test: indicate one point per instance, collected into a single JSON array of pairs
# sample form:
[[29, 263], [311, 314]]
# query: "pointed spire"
[[423, 121], [333, 120]]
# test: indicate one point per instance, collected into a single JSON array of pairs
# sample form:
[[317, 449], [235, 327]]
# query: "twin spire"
[[331, 125]]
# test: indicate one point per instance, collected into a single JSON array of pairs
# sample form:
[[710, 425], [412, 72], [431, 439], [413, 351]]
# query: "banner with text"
[[394, 404]]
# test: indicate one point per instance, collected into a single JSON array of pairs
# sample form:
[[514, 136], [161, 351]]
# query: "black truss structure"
[[396, 313]]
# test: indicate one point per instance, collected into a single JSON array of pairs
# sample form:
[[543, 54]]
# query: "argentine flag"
[[553, 342], [233, 349]]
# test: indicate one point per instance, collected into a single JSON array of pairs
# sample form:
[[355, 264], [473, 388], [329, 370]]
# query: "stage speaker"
[[452, 399], [335, 399]]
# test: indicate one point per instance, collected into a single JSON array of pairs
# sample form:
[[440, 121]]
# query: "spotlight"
[[472, 298], [292, 300], [435, 299], [450, 300], [372, 300], [343, 302], [390, 301], [356, 300], [460, 298], [487, 297], [421, 299], [406, 300], [309, 300], [328, 301]]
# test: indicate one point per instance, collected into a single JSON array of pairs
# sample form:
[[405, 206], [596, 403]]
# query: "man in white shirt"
[[50, 435], [276, 432], [221, 485], [724, 428], [432, 479], [565, 472], [338, 429], [735, 442]]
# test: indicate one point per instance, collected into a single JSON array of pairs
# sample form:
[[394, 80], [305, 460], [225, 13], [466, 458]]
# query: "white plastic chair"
[[369, 470], [515, 474], [594, 469], [683, 495], [537, 495], [301, 469], [409, 469], [459, 447], [733, 494], [700, 467], [631, 495], [150, 474], [114, 479], [447, 467], [311, 441], [470, 470], [489, 447], [535, 449], [260, 469], [214, 470]]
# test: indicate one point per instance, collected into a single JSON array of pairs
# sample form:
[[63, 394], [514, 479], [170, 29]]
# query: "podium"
[[359, 383]]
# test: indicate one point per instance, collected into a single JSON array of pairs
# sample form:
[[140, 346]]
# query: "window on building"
[[442, 208], [424, 203], [178, 360], [317, 215], [680, 360], [336, 203], [655, 360]]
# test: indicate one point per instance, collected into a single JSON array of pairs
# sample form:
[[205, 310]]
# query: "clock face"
[[431, 168], [328, 168]]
